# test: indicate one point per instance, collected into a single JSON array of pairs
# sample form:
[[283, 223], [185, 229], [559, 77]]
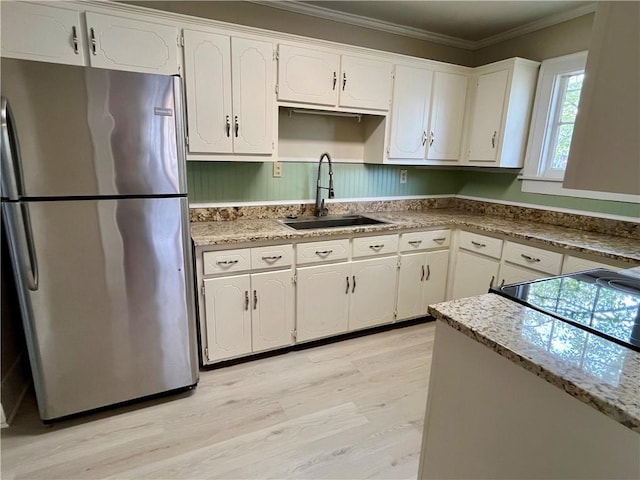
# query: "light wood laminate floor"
[[352, 409]]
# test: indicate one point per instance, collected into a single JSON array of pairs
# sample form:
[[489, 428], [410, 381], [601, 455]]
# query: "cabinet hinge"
[[399, 261], [395, 314], [181, 41], [202, 290], [186, 140], [276, 89], [273, 145], [294, 279], [276, 55], [294, 335], [206, 352], [388, 148]]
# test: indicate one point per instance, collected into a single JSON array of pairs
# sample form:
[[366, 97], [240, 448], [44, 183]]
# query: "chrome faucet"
[[320, 209]]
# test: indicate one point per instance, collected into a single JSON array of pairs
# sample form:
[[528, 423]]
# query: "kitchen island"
[[515, 393]]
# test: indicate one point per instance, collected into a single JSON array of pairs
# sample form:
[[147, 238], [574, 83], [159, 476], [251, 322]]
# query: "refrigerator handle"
[[32, 278], [18, 223], [10, 154]]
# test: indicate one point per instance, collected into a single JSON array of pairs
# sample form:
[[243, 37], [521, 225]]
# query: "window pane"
[[571, 99], [561, 151]]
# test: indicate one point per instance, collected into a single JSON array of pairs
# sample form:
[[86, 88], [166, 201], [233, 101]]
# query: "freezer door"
[[112, 318], [93, 132]]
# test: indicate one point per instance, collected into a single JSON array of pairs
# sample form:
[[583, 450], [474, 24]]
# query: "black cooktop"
[[600, 301]]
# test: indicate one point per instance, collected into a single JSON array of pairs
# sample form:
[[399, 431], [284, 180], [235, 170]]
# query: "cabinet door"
[[365, 83], [37, 32], [409, 117], [207, 63], [252, 81], [514, 274], [307, 76], [410, 285], [474, 274], [133, 45], [486, 120], [272, 309], [373, 292], [323, 300], [228, 316], [435, 279], [574, 264], [447, 116]]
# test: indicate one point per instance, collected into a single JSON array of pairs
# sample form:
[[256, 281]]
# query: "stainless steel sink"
[[330, 221]]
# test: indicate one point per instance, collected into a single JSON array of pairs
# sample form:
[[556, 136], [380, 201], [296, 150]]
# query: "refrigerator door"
[[88, 132], [112, 318]]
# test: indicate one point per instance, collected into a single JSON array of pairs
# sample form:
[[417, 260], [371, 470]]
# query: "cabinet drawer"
[[492, 247], [322, 251], [425, 240], [532, 257], [378, 245], [272, 257], [225, 261]]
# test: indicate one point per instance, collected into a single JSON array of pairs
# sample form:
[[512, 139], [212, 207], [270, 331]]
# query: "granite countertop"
[[243, 231], [595, 371]]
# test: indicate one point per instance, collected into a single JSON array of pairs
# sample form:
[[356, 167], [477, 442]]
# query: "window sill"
[[547, 186]]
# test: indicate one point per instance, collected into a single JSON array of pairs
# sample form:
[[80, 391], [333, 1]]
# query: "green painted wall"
[[211, 182], [506, 186]]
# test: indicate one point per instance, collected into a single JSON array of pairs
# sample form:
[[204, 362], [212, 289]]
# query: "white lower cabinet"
[[372, 294], [474, 274], [422, 281], [272, 312], [573, 264], [515, 274]]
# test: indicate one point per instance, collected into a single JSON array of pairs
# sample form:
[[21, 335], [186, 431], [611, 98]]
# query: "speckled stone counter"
[[605, 376], [608, 246]]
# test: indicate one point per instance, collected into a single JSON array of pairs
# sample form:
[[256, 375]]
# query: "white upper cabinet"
[[318, 77], [52, 34], [44, 33], [125, 44], [447, 117], [410, 113], [502, 98], [229, 89]]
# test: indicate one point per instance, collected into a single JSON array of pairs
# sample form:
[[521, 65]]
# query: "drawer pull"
[[415, 243], [274, 258], [439, 239], [478, 244], [323, 253], [529, 258], [376, 247], [227, 262]]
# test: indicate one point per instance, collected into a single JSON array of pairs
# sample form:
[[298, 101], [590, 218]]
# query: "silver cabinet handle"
[[228, 126], [323, 253], [353, 289], [529, 258], [493, 139], [422, 276], [94, 49], [493, 277], [502, 283], [272, 259], [344, 80], [376, 247], [227, 262], [255, 299], [439, 239], [415, 243], [347, 290], [424, 138], [431, 139], [335, 79], [478, 244], [236, 125], [246, 300], [74, 39], [428, 272]]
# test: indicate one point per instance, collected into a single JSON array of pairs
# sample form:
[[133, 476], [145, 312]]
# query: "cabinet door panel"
[[207, 63], [307, 76], [228, 317], [252, 79], [410, 285], [435, 280], [365, 83], [373, 292], [486, 121], [574, 264], [514, 274], [411, 98], [272, 314], [323, 301], [37, 32], [133, 45], [447, 116], [474, 274]]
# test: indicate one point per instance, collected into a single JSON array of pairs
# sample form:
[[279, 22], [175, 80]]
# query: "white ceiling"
[[466, 24]]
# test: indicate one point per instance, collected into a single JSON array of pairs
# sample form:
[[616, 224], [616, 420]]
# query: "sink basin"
[[330, 221]]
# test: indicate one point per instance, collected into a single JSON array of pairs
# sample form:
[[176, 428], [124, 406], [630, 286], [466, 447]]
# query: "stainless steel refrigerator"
[[95, 207]]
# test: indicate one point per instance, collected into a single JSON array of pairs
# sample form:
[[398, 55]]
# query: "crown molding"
[[381, 25]]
